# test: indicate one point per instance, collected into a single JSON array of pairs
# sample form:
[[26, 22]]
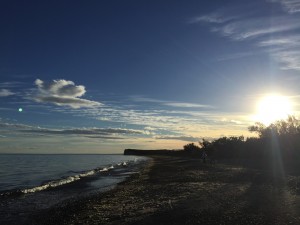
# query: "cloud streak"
[[211, 18], [180, 138], [11, 84], [5, 93], [170, 103], [289, 41], [103, 133]]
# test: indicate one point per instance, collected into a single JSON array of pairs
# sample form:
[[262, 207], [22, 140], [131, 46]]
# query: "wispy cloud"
[[285, 49], [106, 137], [291, 6], [256, 27], [186, 105], [290, 59], [180, 138], [5, 93], [145, 99], [288, 41], [15, 126], [179, 122], [225, 14], [62, 93], [11, 84], [170, 103], [282, 29], [216, 17], [84, 131]]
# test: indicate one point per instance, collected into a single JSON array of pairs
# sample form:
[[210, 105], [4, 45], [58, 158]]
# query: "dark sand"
[[173, 190]]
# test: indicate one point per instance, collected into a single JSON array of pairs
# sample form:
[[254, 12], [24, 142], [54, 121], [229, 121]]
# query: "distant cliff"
[[153, 152]]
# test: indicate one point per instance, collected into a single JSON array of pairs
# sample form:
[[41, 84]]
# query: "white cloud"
[[62, 93], [62, 88], [5, 93]]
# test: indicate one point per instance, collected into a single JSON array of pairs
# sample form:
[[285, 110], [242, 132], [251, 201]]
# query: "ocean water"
[[29, 183]]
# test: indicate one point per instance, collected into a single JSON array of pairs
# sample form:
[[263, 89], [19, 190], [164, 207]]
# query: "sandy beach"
[[174, 190]]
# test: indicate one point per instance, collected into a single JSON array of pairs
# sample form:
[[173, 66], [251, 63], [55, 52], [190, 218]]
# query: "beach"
[[179, 190]]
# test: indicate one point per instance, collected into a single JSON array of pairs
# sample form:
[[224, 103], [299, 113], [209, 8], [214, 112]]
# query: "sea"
[[32, 183]]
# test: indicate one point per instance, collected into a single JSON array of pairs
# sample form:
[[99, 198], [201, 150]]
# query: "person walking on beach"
[[204, 156]]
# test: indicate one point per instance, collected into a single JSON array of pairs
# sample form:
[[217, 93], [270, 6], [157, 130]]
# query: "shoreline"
[[64, 211], [176, 190], [18, 205]]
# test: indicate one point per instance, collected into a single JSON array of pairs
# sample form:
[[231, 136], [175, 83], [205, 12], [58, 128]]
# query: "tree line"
[[280, 139]]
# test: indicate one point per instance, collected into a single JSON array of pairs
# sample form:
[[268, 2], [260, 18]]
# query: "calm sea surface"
[[36, 182]]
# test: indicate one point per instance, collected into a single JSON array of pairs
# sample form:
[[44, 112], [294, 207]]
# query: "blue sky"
[[101, 76]]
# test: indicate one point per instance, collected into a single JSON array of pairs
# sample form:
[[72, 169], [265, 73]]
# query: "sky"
[[102, 76]]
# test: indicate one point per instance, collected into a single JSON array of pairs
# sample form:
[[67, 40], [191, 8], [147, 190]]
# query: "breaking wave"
[[67, 180]]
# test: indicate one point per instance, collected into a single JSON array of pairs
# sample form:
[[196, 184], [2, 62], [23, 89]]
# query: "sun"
[[272, 108]]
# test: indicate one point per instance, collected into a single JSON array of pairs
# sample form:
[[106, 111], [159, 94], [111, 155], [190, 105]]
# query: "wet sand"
[[173, 190]]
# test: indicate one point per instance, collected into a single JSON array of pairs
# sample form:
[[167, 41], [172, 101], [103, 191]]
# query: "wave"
[[67, 180]]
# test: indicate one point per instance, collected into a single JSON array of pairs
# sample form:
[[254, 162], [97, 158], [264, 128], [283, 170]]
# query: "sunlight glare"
[[273, 107]]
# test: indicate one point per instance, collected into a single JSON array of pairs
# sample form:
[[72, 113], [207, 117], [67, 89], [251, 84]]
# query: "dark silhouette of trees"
[[277, 142], [259, 129], [290, 126], [191, 148], [224, 147], [205, 143]]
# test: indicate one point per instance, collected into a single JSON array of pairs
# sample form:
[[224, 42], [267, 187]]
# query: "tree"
[[290, 126], [205, 143], [258, 128], [191, 147]]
